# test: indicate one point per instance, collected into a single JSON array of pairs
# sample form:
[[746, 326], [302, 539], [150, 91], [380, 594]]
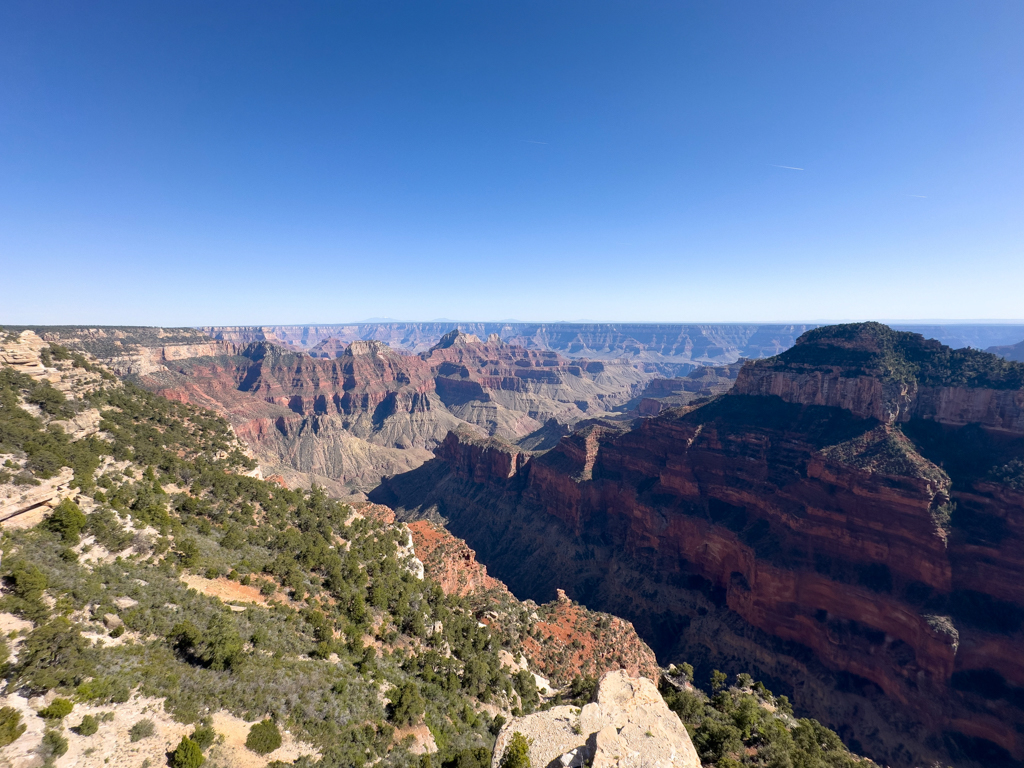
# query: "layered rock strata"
[[560, 639], [835, 525], [669, 349], [345, 422]]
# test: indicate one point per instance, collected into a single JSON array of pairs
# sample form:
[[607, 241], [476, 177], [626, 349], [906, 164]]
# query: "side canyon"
[[843, 520], [847, 522]]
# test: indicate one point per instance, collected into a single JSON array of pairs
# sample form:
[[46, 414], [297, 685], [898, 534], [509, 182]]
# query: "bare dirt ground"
[[224, 589], [111, 745]]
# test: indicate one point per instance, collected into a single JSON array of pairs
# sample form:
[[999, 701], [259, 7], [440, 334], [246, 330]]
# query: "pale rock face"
[[82, 424], [22, 354], [25, 506], [629, 726], [407, 554]]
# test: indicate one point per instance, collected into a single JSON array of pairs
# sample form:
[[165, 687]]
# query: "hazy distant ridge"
[[671, 348]]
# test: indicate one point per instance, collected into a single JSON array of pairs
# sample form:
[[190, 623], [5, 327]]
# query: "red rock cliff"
[[837, 530]]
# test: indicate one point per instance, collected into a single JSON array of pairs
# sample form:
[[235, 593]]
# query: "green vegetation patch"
[[344, 621], [747, 725], [874, 349]]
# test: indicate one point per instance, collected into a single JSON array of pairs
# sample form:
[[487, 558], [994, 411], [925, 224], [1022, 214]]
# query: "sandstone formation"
[[344, 422], [846, 524], [560, 639], [24, 506], [661, 394], [628, 725]]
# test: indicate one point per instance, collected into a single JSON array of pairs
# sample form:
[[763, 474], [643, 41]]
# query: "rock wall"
[[865, 566], [372, 411]]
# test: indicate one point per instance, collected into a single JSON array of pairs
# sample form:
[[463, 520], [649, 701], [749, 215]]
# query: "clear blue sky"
[[270, 162]]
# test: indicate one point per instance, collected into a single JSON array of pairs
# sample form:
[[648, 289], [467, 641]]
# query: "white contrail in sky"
[[787, 167], [924, 196]]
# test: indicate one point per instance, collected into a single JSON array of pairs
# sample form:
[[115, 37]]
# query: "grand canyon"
[[836, 510], [511, 385]]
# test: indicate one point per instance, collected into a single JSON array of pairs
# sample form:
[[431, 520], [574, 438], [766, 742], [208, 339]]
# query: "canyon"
[[842, 517], [847, 522], [347, 421]]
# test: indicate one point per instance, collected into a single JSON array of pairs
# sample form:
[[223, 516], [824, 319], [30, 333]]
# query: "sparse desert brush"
[[264, 737]]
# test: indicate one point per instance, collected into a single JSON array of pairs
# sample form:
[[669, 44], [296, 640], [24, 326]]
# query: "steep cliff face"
[[346, 421], [875, 372], [835, 524], [560, 639]]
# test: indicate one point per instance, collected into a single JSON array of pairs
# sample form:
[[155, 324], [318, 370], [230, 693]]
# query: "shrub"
[[204, 736], [54, 654], [583, 688], [58, 709], [54, 745], [264, 737], [67, 520], [517, 753], [187, 754], [717, 680], [141, 730], [499, 720], [408, 704], [88, 726], [11, 726], [714, 740]]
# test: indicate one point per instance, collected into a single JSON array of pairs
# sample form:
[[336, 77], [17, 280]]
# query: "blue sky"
[[267, 162]]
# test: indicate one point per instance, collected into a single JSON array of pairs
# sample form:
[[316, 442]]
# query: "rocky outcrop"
[[707, 381], [628, 726], [21, 352], [24, 506], [876, 373], [560, 639], [453, 565], [868, 566], [567, 639]]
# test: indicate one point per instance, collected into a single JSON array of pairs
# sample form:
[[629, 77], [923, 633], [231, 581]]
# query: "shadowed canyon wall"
[[847, 522]]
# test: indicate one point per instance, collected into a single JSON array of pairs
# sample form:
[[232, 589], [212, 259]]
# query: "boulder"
[[628, 726]]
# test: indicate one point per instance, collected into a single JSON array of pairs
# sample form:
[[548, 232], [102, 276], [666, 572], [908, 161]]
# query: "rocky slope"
[[162, 581], [846, 523], [345, 422], [561, 639]]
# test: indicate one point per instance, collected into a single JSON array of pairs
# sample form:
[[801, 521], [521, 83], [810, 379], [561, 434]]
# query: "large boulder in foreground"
[[627, 727]]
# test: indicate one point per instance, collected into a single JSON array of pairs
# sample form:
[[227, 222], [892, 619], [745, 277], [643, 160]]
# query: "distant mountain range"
[[669, 349]]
